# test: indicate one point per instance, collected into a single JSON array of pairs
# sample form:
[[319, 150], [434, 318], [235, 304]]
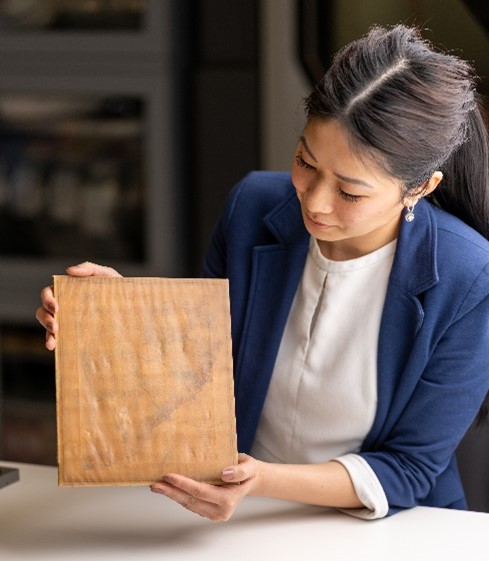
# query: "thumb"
[[245, 469], [89, 269]]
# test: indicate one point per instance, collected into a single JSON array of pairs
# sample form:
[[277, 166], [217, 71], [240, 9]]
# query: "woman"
[[360, 311]]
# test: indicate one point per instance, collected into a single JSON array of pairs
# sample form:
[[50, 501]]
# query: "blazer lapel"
[[277, 269], [413, 272]]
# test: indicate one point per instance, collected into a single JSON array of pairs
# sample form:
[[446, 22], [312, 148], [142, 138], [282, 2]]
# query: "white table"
[[39, 520]]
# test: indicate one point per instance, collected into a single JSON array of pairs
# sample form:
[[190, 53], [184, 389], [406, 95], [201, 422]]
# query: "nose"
[[319, 198]]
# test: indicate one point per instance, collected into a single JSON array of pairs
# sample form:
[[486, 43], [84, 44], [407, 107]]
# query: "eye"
[[347, 197], [303, 164]]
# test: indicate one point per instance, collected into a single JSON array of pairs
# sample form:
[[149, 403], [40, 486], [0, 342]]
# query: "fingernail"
[[168, 479], [227, 474]]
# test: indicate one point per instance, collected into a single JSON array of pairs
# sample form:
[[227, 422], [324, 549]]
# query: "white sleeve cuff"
[[367, 487]]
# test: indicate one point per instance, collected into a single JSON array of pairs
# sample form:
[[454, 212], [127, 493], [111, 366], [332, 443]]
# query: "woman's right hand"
[[45, 313]]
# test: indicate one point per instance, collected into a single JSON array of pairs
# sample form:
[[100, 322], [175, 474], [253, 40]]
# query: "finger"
[[48, 300], [47, 320], [246, 469], [89, 269], [191, 503], [201, 491], [50, 341]]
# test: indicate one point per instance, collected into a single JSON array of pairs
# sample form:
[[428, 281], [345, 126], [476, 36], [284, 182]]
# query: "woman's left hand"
[[213, 501]]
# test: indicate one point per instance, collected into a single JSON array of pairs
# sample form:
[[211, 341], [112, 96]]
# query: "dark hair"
[[414, 110]]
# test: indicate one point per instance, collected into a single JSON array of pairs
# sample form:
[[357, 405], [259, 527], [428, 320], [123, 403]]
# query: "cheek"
[[357, 214], [388, 211], [350, 214], [297, 179], [364, 211], [371, 214]]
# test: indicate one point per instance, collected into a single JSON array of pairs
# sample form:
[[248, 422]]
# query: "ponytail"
[[464, 190]]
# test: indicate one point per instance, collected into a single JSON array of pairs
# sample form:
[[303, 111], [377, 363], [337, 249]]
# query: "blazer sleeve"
[[421, 444]]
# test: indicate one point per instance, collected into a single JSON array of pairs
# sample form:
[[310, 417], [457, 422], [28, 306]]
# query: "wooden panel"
[[144, 380]]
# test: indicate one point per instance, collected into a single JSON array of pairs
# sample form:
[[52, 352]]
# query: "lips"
[[316, 223]]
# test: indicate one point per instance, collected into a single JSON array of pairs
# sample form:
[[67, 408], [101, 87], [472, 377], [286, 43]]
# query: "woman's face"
[[350, 206]]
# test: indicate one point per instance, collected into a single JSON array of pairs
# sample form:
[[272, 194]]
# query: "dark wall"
[[223, 128]]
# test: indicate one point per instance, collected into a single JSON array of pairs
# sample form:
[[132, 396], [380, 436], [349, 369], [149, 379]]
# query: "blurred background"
[[124, 124]]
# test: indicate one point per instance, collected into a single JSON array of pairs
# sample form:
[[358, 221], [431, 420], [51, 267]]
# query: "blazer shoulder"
[[258, 193], [463, 260], [265, 186], [466, 246]]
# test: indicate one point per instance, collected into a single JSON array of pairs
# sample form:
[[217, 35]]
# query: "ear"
[[432, 183], [425, 189]]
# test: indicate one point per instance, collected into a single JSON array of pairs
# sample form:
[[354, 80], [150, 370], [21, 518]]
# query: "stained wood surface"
[[143, 380]]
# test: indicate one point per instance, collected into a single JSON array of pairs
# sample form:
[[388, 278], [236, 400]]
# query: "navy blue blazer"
[[433, 359]]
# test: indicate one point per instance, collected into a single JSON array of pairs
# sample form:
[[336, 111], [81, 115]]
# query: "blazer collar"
[[286, 223], [415, 267]]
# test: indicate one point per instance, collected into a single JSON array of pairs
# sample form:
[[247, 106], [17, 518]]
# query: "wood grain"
[[143, 380]]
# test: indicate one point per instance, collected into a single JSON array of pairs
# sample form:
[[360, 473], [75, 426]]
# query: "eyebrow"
[[344, 178], [352, 180]]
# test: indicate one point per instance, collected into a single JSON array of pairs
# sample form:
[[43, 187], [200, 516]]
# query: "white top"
[[322, 398]]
